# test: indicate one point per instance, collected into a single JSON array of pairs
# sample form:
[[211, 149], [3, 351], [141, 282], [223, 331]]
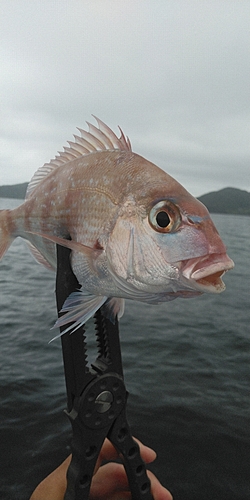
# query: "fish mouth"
[[205, 273]]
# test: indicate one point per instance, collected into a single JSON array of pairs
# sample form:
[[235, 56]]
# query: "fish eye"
[[164, 217]]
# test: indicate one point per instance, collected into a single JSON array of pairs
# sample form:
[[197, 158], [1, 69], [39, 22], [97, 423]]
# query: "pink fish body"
[[134, 231]]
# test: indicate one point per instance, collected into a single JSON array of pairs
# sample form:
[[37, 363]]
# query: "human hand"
[[109, 481]]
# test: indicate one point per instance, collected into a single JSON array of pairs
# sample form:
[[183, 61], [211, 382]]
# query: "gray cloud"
[[174, 74]]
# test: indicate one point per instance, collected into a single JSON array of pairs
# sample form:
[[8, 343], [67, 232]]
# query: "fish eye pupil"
[[162, 219]]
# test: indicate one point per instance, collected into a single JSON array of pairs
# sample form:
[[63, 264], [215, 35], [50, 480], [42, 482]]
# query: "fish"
[[134, 231]]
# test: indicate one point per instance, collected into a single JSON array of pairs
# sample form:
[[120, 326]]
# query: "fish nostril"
[[98, 246], [190, 220], [195, 219]]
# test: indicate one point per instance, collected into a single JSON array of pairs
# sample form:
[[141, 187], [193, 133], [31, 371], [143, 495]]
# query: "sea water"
[[186, 366]]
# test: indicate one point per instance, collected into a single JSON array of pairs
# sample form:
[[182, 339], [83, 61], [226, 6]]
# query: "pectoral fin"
[[113, 307], [73, 245], [79, 307]]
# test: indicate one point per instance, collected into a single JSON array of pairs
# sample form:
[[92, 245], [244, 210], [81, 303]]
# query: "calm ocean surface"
[[186, 364]]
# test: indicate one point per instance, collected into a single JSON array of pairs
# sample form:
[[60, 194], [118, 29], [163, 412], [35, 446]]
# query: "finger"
[[108, 452], [158, 491], [53, 487], [147, 454], [109, 480]]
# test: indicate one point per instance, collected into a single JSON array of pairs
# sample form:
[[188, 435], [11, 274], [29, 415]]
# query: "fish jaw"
[[205, 273]]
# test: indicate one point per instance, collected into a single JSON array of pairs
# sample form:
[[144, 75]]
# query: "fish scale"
[[134, 232]]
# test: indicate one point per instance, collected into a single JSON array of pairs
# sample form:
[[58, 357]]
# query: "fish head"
[[165, 243]]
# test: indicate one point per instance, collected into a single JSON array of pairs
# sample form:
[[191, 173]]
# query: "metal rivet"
[[104, 401]]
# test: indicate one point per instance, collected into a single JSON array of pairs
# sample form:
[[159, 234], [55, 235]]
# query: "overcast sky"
[[173, 74]]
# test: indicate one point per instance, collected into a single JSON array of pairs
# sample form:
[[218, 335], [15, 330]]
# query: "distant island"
[[15, 191], [225, 201]]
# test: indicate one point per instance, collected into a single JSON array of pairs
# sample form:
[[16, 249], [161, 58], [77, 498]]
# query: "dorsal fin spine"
[[71, 151], [91, 139], [89, 148], [65, 155], [100, 136], [125, 142], [96, 139], [75, 146], [109, 133]]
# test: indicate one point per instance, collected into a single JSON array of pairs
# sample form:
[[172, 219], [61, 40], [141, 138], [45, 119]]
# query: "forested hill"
[[226, 201], [15, 191]]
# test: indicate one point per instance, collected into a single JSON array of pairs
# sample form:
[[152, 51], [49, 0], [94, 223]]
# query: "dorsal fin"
[[96, 139]]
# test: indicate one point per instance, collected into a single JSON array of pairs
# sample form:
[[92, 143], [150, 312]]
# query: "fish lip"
[[206, 272]]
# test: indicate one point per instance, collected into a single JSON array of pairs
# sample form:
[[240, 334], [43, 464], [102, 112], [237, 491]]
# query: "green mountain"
[[16, 191], [226, 201]]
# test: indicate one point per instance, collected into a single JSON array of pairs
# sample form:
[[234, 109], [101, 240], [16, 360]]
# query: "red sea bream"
[[134, 231]]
